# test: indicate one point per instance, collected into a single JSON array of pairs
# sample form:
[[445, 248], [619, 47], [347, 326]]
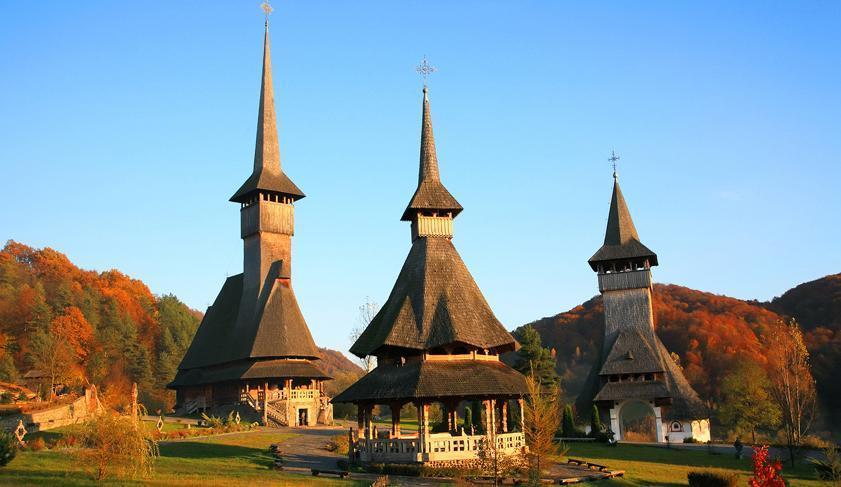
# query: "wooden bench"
[[343, 474], [600, 468], [576, 462]]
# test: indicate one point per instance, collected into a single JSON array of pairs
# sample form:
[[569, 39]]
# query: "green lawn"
[[226, 460], [647, 465]]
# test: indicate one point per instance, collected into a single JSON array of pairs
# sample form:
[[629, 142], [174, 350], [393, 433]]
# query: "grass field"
[[648, 465], [224, 460]]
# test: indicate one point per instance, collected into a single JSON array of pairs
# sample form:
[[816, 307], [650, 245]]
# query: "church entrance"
[[637, 421], [302, 418]]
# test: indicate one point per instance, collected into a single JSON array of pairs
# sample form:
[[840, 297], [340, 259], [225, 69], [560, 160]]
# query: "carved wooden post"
[[521, 403], [266, 403], [503, 412], [351, 444], [395, 419]]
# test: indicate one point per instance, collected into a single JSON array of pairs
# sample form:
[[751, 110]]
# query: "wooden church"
[[436, 340], [253, 346], [634, 378]]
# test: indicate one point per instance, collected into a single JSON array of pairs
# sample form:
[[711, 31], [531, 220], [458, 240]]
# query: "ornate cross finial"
[[613, 158], [267, 9], [425, 69]]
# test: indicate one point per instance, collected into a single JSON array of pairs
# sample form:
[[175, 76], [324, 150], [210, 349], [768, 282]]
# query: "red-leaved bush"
[[766, 473]]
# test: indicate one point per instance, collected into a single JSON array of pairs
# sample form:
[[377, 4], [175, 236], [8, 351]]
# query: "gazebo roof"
[[436, 379], [435, 302]]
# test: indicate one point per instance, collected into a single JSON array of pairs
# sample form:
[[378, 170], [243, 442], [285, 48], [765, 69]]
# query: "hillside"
[[709, 333], [817, 307], [103, 328]]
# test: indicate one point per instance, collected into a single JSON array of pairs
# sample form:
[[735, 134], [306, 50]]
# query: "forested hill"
[[710, 333], [84, 326], [103, 328]]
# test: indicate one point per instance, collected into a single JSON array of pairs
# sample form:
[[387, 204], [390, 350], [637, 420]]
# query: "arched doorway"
[[637, 421]]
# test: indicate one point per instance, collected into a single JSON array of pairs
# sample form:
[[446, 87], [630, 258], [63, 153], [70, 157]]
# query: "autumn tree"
[[533, 359], [792, 385], [747, 404], [541, 415], [367, 312], [52, 354]]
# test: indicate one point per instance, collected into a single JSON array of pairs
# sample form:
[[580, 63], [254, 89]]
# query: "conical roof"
[[435, 302], [267, 174], [621, 242], [431, 193]]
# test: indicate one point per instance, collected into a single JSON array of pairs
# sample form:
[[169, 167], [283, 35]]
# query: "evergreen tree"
[[468, 421], [476, 410], [533, 359], [595, 421], [568, 423]]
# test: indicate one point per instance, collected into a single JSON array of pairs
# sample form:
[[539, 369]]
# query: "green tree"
[[534, 359], [595, 421], [568, 429], [468, 420], [476, 411], [746, 403]]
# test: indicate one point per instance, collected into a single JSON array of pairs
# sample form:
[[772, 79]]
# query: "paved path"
[[306, 451]]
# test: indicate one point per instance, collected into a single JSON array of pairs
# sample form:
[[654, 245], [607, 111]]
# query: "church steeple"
[[622, 248], [432, 207], [267, 176]]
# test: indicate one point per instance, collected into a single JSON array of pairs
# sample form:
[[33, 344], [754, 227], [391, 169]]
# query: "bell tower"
[[623, 265], [267, 198]]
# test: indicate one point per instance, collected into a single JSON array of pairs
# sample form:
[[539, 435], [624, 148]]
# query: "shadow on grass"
[[197, 449]]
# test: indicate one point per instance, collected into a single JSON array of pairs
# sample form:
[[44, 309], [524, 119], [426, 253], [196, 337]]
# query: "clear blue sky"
[[125, 128]]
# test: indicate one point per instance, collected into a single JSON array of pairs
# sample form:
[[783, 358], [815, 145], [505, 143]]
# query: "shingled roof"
[[433, 379], [249, 369], [632, 353], [431, 195], [434, 302], [267, 175], [621, 242], [275, 329]]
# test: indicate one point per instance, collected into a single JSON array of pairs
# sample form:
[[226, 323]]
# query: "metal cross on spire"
[[425, 69], [613, 158], [267, 9]]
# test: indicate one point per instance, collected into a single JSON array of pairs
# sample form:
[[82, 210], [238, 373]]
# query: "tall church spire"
[[620, 226], [428, 154], [622, 246], [266, 150], [267, 176], [431, 196]]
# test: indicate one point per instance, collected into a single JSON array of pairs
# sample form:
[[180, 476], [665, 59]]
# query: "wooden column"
[[503, 413], [266, 404], [360, 420], [291, 417], [521, 403], [423, 425], [395, 419]]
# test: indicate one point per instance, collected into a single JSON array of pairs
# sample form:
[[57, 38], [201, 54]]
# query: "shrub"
[[829, 469], [766, 472], [568, 429], [36, 444], [8, 448], [712, 479], [212, 421], [690, 439], [338, 444], [117, 445]]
